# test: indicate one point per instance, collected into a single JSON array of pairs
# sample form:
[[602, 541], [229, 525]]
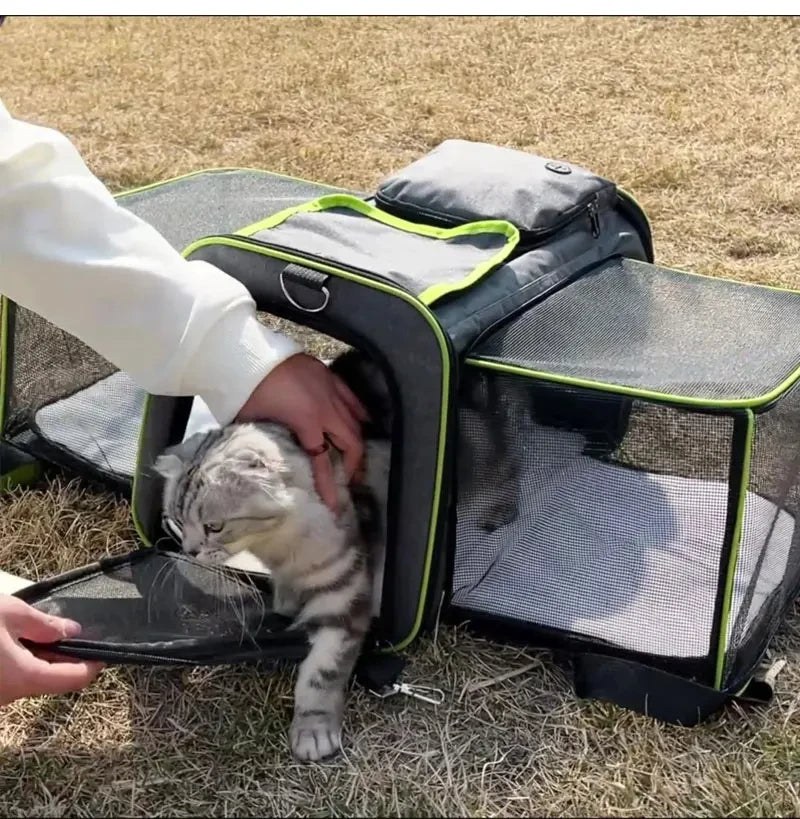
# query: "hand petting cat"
[[317, 406]]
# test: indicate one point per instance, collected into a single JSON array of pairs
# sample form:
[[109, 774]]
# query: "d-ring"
[[323, 289]]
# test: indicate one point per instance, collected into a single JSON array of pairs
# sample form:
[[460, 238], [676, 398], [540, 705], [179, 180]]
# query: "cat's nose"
[[190, 546]]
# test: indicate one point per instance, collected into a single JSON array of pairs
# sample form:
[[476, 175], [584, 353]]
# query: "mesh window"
[[218, 202], [593, 515], [47, 364], [162, 605], [67, 404], [638, 325], [70, 406], [769, 557]]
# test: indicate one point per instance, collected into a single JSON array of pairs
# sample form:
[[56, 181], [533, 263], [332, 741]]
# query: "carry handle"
[[304, 276]]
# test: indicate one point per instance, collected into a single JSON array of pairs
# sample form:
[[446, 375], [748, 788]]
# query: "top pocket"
[[461, 181], [429, 262]]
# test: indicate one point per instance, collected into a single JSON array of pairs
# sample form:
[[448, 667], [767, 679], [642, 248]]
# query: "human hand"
[[28, 672], [302, 393]]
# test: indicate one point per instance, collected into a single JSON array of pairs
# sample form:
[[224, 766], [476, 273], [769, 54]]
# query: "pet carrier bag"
[[590, 452]]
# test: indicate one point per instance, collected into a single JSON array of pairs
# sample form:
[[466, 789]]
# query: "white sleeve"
[[71, 254]]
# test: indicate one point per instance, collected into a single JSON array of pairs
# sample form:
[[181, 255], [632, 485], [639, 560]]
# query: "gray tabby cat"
[[250, 487]]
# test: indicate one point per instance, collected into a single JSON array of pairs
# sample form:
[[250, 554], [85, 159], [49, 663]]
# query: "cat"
[[250, 487]]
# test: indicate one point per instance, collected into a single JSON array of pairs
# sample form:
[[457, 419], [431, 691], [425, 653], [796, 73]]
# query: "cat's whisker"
[[247, 588], [158, 581], [233, 594]]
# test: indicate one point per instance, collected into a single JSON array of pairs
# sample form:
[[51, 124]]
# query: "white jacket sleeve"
[[71, 254]]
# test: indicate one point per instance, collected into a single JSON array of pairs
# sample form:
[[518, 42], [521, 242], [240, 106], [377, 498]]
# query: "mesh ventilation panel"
[[637, 325], [768, 565], [598, 517]]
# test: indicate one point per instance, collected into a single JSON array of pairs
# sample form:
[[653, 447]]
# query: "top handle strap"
[[309, 279]]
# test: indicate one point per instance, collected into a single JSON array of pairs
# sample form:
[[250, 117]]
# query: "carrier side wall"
[[374, 317]]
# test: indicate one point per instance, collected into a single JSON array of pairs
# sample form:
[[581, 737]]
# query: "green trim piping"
[[443, 347], [137, 523], [634, 392], [435, 291], [734, 556], [4, 374], [158, 184]]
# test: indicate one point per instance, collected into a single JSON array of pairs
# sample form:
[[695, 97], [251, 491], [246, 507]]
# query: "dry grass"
[[697, 117]]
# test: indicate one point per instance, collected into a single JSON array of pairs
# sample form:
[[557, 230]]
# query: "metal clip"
[[434, 696]]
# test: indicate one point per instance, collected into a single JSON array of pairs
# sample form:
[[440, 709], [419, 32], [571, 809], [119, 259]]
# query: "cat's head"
[[244, 487]]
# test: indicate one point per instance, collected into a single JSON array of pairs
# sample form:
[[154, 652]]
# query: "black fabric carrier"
[[590, 452]]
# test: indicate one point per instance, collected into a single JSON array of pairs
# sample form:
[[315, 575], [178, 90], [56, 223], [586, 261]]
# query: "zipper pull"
[[434, 696], [379, 674], [594, 217]]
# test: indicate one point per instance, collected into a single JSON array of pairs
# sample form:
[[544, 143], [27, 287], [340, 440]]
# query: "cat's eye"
[[213, 528]]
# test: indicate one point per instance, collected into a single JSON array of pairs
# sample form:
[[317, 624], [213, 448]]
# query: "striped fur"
[[250, 487]]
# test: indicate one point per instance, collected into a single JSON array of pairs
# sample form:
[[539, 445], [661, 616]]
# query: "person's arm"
[[69, 252]]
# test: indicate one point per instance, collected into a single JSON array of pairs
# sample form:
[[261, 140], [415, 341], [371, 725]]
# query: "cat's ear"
[[168, 465]]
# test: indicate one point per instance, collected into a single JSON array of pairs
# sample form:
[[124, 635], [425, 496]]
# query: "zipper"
[[539, 297], [594, 217], [528, 238]]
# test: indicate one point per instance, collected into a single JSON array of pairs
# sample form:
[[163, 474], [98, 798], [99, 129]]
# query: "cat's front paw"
[[315, 736]]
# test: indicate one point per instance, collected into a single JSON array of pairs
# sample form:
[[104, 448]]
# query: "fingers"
[[22, 674], [29, 623], [325, 481], [345, 417], [347, 441], [344, 429], [60, 677], [351, 447], [310, 438]]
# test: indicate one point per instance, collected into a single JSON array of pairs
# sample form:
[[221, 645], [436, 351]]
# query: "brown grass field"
[[699, 118]]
